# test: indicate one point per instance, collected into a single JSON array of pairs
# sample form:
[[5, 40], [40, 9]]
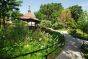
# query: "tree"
[[45, 24], [66, 19], [49, 11], [83, 22], [40, 16], [76, 11], [7, 7]]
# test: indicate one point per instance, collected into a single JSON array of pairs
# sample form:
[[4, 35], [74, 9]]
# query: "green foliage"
[[18, 31], [40, 16], [11, 40], [45, 23], [18, 40], [48, 14], [76, 11], [78, 33], [15, 15], [9, 10], [84, 49], [57, 25], [72, 32], [49, 11], [66, 19], [83, 22]]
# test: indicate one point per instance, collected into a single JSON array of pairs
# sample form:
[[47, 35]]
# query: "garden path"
[[71, 50]]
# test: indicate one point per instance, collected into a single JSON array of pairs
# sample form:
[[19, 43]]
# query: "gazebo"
[[30, 19]]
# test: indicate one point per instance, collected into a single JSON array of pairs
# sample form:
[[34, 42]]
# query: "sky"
[[34, 5]]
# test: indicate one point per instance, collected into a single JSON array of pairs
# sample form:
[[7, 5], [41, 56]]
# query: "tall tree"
[[49, 11], [66, 19], [83, 22], [7, 7], [76, 11]]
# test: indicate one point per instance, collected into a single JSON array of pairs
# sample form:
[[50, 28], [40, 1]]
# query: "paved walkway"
[[71, 50]]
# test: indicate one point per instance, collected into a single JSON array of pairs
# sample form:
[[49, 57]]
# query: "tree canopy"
[[7, 8], [49, 11], [66, 19], [76, 11], [83, 22]]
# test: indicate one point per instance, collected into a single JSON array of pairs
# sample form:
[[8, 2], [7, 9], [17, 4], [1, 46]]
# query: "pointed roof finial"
[[29, 10]]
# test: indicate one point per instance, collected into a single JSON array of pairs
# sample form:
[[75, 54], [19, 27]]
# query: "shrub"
[[17, 40], [45, 23], [83, 22], [78, 33], [57, 26]]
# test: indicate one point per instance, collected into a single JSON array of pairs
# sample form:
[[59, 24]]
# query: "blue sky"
[[35, 4]]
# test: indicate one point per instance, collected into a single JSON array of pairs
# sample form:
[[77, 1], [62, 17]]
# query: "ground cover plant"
[[18, 39]]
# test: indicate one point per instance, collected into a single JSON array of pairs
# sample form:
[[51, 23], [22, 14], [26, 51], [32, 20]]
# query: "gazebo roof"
[[28, 16]]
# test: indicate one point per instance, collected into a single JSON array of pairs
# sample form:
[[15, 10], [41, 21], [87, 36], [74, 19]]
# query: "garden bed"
[[21, 43]]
